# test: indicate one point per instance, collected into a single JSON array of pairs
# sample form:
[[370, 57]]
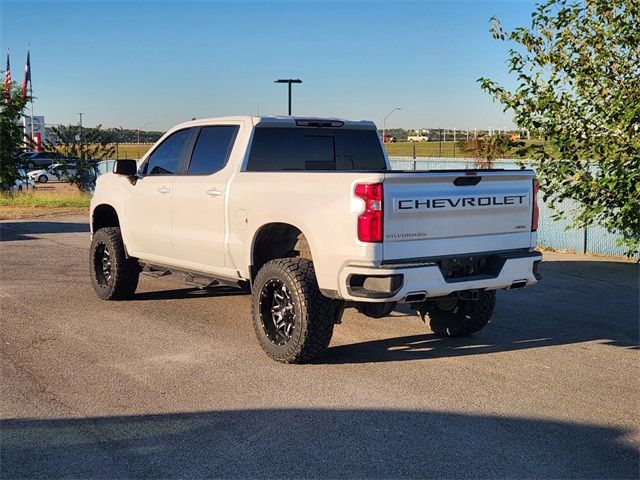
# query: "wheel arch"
[[277, 240], [103, 216]]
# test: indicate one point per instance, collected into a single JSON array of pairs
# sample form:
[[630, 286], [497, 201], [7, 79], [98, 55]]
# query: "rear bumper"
[[394, 283]]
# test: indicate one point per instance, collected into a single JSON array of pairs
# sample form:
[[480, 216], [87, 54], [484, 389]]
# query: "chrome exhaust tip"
[[415, 297]]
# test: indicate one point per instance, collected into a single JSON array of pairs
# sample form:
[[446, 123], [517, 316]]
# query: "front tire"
[[292, 320], [113, 275], [462, 317], [43, 179]]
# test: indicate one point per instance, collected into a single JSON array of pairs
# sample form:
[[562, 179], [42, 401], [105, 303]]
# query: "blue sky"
[[129, 63]]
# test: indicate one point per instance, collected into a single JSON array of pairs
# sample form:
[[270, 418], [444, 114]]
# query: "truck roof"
[[282, 121]]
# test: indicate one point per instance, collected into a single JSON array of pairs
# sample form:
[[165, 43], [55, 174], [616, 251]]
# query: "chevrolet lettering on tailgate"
[[450, 203]]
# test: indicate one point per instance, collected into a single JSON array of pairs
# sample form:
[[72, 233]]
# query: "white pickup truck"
[[308, 215], [417, 138]]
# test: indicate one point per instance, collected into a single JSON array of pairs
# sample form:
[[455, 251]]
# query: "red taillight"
[[370, 221], [536, 212]]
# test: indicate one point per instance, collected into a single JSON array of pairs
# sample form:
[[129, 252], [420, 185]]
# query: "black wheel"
[[113, 275], [292, 319], [43, 179], [31, 165], [457, 318]]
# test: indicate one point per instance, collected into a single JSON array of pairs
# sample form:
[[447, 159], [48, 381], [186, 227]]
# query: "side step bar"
[[191, 278]]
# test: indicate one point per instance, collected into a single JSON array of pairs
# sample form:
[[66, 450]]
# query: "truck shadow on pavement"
[[312, 443], [13, 231], [576, 302]]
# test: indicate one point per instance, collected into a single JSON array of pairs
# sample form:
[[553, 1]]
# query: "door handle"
[[214, 193], [163, 189]]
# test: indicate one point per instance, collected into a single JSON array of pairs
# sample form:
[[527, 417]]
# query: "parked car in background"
[[22, 182], [59, 171], [33, 160]]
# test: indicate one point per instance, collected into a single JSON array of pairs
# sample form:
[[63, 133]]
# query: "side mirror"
[[128, 168]]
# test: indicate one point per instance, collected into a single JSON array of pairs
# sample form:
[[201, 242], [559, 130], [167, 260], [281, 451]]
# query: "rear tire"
[[292, 320], [113, 275], [464, 317]]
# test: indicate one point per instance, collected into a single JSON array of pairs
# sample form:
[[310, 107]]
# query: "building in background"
[[36, 130]]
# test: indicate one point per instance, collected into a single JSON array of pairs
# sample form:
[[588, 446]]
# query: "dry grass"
[[128, 150]]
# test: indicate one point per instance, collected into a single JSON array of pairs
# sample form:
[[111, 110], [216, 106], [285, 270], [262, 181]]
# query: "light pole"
[[289, 81], [384, 122], [148, 123]]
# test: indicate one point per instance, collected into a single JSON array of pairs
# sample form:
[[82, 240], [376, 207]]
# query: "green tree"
[[83, 149], [12, 107], [578, 75]]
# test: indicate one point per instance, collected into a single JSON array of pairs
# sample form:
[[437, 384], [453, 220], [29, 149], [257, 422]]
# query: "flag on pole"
[[7, 79], [27, 75]]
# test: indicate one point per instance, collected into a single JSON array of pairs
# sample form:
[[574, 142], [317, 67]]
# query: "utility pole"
[[289, 81], [118, 132], [454, 142], [80, 135]]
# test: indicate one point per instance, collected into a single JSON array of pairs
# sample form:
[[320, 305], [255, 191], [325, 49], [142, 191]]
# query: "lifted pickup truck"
[[307, 214]]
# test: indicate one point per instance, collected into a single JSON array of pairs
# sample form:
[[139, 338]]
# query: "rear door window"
[[212, 149]]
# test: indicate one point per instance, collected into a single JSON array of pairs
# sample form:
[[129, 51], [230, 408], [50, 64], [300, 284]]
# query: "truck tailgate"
[[432, 214]]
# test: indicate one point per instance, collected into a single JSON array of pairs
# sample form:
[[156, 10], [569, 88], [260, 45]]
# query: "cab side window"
[[212, 149], [166, 159]]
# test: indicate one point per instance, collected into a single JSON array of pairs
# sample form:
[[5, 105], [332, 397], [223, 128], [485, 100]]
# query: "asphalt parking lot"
[[174, 384]]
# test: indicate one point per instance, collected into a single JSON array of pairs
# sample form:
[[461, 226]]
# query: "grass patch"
[[127, 150], [45, 199], [34, 204]]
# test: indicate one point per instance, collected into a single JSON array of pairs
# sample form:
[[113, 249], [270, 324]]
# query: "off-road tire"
[[314, 314], [122, 281], [465, 318]]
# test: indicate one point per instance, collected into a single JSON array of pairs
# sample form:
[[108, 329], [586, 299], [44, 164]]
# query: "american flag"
[[7, 79]]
